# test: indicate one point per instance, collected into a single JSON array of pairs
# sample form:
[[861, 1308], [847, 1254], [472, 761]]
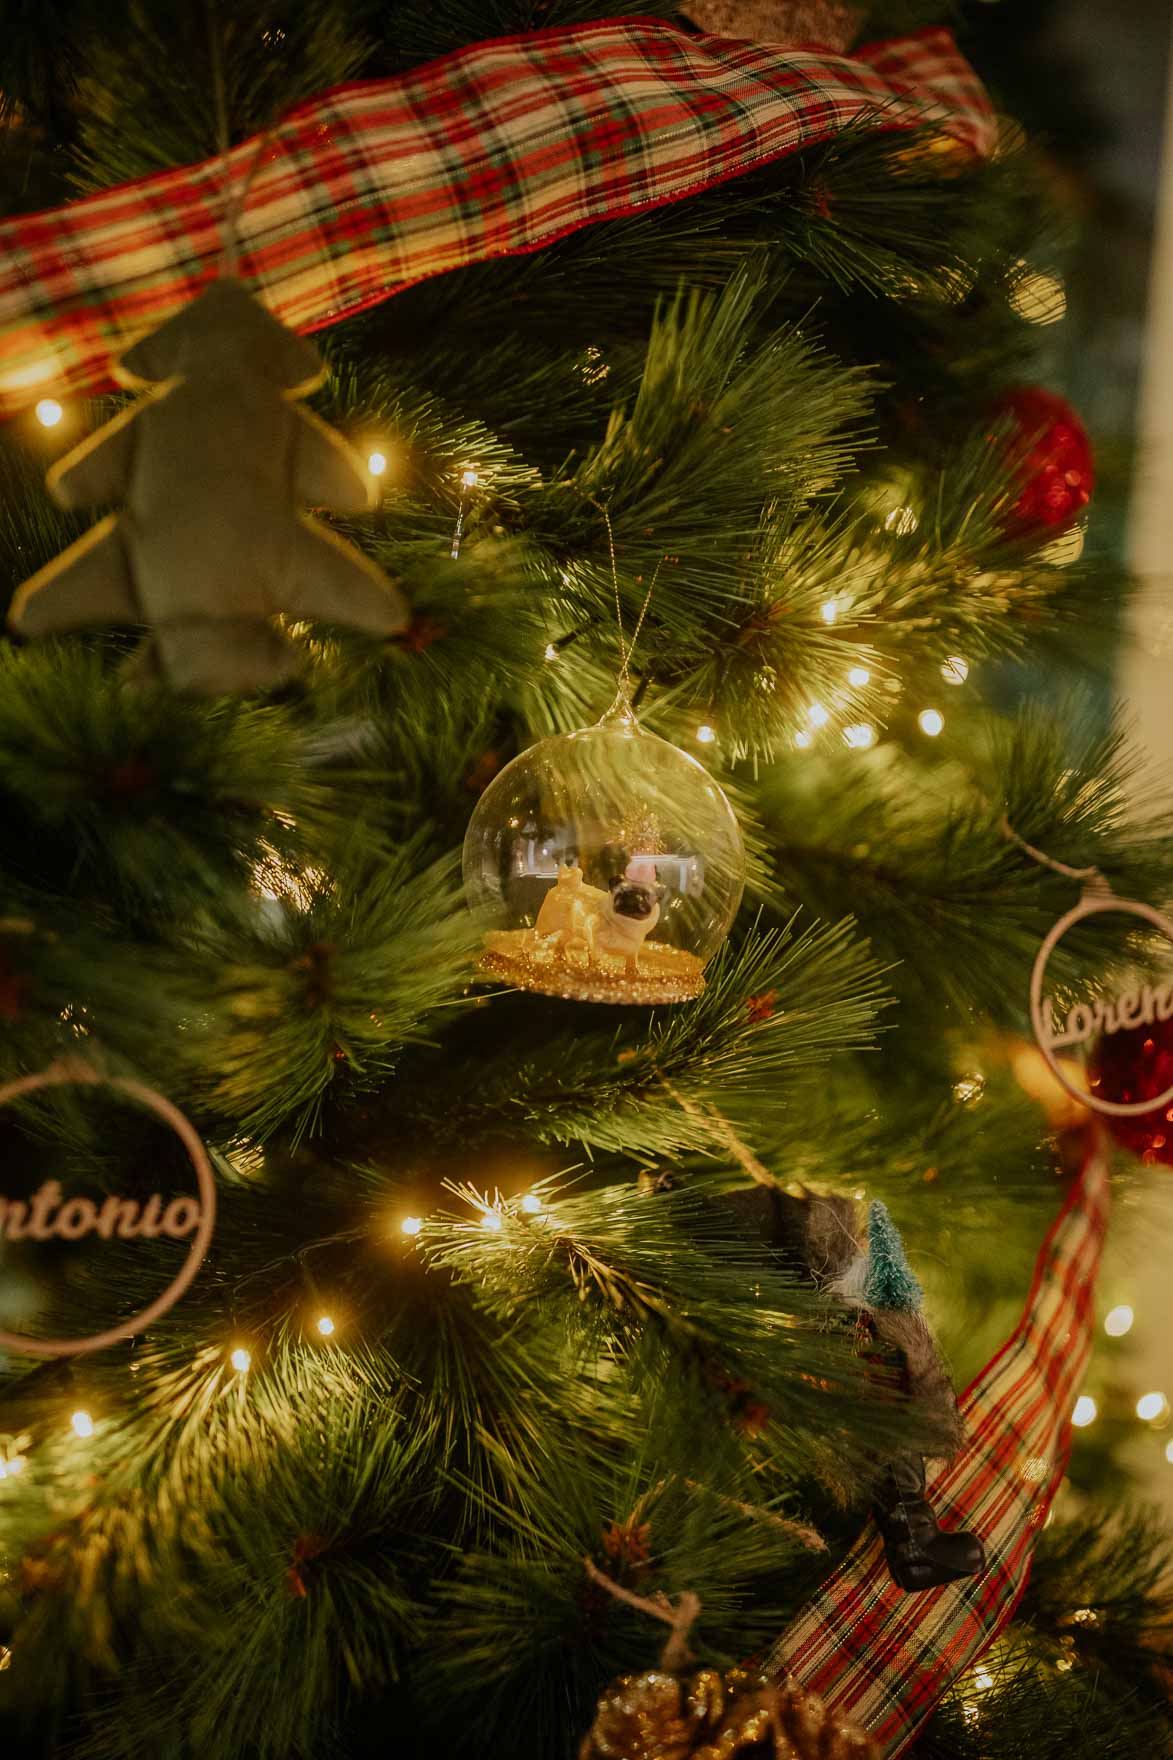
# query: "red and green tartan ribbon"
[[886, 1657], [498, 149]]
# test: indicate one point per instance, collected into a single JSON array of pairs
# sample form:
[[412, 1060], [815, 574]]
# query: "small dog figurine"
[[574, 915]]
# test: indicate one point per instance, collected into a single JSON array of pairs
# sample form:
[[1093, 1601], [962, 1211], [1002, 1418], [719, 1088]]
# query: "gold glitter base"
[[666, 974]]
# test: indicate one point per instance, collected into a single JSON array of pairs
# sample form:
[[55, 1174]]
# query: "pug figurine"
[[588, 919]]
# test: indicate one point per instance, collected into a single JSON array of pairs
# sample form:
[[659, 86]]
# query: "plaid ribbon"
[[498, 149], [885, 1657]]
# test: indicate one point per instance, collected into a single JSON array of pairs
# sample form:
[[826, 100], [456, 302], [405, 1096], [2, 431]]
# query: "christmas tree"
[[544, 1242]]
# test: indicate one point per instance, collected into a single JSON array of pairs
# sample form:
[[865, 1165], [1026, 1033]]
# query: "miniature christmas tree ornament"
[[208, 468]]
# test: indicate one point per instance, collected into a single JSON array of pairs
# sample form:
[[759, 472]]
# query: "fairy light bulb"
[[531, 1204], [1084, 1412], [49, 412], [858, 677], [411, 1224], [817, 715], [491, 1221], [706, 734], [326, 1326], [955, 670], [983, 1680], [377, 463], [1037, 297], [241, 1360], [551, 651], [469, 479], [1119, 1321], [802, 739], [1152, 1406], [83, 1424], [860, 735], [1168, 1456], [829, 610], [930, 721]]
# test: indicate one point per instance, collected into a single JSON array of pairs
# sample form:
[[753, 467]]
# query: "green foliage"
[[781, 394]]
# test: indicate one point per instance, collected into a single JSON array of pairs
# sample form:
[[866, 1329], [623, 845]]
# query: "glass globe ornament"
[[607, 866]]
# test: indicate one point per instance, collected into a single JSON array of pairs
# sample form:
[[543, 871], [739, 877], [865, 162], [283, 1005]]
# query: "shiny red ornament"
[[1054, 461], [1137, 1064]]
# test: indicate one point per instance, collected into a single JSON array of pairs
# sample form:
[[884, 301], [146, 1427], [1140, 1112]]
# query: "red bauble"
[[1053, 456], [1137, 1064]]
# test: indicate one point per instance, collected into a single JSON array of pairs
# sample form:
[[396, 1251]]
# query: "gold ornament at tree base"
[[713, 1716], [607, 866]]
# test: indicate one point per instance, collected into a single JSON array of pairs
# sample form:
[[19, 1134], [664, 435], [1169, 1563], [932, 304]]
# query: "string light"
[[241, 1360], [491, 1220], [377, 464], [955, 670], [983, 1680], [1119, 1321], [1152, 1406], [13, 1468], [83, 1424], [817, 715], [551, 651], [829, 611], [706, 734], [531, 1204], [49, 412], [326, 1326], [469, 479], [1168, 1455], [931, 721], [5, 1657], [1038, 298], [860, 735], [859, 676], [1084, 1412], [902, 521], [969, 1088], [411, 1224], [802, 739]]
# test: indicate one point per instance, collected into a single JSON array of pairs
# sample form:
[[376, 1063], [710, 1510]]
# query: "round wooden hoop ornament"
[[1091, 905], [66, 1072]]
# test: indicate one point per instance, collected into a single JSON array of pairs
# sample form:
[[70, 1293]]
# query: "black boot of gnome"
[[920, 1554]]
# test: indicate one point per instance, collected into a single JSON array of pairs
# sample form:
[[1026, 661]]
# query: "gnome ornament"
[[208, 469], [822, 1238]]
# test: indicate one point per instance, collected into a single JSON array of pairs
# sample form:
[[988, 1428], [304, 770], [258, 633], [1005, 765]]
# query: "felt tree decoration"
[[208, 469]]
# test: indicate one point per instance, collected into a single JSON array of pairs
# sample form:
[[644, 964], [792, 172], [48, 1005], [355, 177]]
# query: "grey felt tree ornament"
[[208, 468]]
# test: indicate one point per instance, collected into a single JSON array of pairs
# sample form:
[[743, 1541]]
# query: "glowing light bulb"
[[902, 521], [1084, 1412], [15, 1466], [1119, 1321], [859, 676], [469, 479], [492, 1221], [802, 739], [530, 1204], [83, 1424], [1152, 1405], [706, 734], [931, 721], [411, 1224], [829, 610], [551, 651], [241, 1360], [1038, 298], [377, 464], [325, 1326], [983, 1680], [955, 670], [817, 715], [969, 1088], [1168, 1456], [49, 412], [860, 735]]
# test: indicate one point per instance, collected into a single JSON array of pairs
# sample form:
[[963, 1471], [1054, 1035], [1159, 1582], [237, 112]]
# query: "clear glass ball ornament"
[[607, 865]]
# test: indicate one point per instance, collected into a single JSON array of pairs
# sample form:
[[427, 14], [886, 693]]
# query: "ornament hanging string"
[[1092, 875], [234, 199], [626, 649]]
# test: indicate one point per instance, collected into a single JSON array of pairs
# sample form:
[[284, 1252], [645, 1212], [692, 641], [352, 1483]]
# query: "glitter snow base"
[[666, 974]]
